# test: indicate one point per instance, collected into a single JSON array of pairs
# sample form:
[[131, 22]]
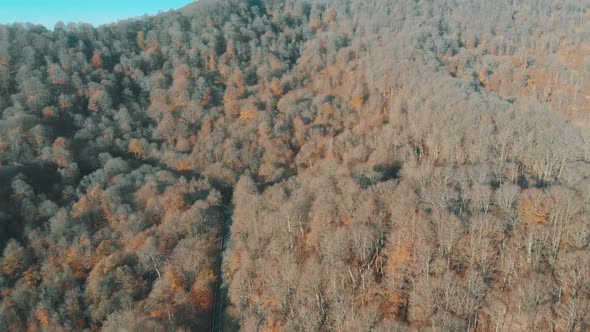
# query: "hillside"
[[368, 165]]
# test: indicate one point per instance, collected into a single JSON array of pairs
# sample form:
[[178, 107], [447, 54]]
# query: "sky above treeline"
[[49, 12]]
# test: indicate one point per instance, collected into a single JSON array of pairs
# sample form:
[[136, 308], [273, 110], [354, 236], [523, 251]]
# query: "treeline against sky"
[[388, 166]]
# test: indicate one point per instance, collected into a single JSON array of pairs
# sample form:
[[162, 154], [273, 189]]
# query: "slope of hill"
[[388, 165]]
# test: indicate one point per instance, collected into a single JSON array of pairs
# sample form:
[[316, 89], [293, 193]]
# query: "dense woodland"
[[373, 166]]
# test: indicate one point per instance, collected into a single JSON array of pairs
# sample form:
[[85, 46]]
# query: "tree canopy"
[[344, 165]]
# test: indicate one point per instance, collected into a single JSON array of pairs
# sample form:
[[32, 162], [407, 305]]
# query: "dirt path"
[[220, 292]]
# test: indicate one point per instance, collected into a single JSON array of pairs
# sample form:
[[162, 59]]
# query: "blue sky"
[[96, 12]]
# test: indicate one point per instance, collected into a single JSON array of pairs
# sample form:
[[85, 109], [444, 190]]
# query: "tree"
[[96, 60]]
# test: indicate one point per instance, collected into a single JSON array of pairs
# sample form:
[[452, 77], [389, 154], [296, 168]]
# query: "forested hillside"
[[370, 165]]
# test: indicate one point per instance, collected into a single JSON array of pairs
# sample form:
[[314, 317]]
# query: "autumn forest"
[[299, 165]]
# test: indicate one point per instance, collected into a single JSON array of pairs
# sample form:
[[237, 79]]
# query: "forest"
[[299, 165]]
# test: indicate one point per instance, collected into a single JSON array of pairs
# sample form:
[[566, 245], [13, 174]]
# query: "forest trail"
[[220, 295]]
